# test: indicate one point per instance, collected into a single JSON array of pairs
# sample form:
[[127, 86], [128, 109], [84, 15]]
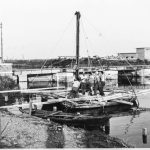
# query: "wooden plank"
[[89, 98], [102, 98], [53, 113], [122, 102], [50, 101], [30, 90], [37, 103]]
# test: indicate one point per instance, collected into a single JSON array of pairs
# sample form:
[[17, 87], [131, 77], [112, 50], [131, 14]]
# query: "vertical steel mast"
[[1, 43], [77, 13]]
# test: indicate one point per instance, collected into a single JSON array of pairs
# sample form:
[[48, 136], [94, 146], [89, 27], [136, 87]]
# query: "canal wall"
[[61, 75], [6, 69], [144, 72]]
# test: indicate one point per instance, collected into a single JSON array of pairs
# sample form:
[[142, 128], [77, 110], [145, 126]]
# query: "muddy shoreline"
[[21, 131]]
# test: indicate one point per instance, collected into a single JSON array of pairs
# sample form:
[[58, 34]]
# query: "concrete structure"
[[130, 56], [143, 53], [6, 69]]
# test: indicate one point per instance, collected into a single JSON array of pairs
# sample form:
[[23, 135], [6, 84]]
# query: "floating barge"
[[109, 103]]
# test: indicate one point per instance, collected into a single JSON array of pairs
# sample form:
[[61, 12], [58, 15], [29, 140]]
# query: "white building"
[[143, 53], [129, 56]]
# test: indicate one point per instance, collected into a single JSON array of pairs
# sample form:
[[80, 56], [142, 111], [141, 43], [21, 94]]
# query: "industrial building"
[[129, 56], [143, 53]]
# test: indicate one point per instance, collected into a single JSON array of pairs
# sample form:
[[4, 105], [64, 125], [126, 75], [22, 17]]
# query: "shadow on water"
[[76, 136], [55, 137], [89, 135], [137, 82], [41, 84]]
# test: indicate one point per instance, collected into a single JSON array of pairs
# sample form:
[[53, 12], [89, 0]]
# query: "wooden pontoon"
[[118, 101]]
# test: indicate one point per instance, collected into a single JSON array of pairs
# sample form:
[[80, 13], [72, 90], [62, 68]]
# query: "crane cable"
[[56, 44], [130, 82], [87, 38]]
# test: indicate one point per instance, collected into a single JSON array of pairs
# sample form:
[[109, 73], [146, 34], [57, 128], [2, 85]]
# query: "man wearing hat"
[[102, 77]]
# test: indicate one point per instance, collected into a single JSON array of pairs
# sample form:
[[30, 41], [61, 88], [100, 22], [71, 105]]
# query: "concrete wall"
[[111, 75], [5, 69]]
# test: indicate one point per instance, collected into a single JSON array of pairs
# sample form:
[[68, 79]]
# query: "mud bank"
[[22, 131]]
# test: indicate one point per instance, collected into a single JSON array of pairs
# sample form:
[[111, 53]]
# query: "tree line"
[[69, 63]]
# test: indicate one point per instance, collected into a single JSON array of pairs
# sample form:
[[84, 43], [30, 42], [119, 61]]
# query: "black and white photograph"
[[74, 74]]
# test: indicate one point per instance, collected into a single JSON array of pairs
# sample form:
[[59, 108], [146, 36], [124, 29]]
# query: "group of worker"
[[90, 83]]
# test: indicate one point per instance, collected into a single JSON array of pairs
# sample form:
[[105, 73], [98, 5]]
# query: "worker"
[[91, 80], [75, 88], [83, 83], [102, 80], [89, 83], [97, 82]]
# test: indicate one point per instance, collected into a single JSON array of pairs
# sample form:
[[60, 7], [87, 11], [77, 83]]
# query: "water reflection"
[[83, 138], [41, 84], [55, 137], [136, 81], [130, 123], [103, 126], [95, 135]]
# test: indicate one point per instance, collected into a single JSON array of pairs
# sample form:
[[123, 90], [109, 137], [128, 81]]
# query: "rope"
[[86, 37], [131, 83], [56, 44], [93, 27], [99, 61]]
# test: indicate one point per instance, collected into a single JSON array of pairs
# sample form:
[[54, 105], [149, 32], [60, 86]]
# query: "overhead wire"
[[93, 27], [85, 39], [89, 41], [99, 61], [56, 44], [130, 81], [99, 34]]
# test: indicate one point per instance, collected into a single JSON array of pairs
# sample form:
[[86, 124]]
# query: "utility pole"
[[77, 13], [1, 43]]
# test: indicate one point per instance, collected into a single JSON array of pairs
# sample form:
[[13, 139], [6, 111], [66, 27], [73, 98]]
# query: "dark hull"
[[68, 118], [95, 110], [100, 109], [74, 120]]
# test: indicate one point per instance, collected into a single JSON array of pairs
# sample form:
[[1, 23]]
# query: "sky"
[[44, 29]]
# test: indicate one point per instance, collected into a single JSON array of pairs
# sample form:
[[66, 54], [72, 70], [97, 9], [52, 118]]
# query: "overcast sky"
[[46, 28]]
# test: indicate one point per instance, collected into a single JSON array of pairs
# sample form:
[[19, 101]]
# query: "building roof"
[[126, 53], [143, 48]]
